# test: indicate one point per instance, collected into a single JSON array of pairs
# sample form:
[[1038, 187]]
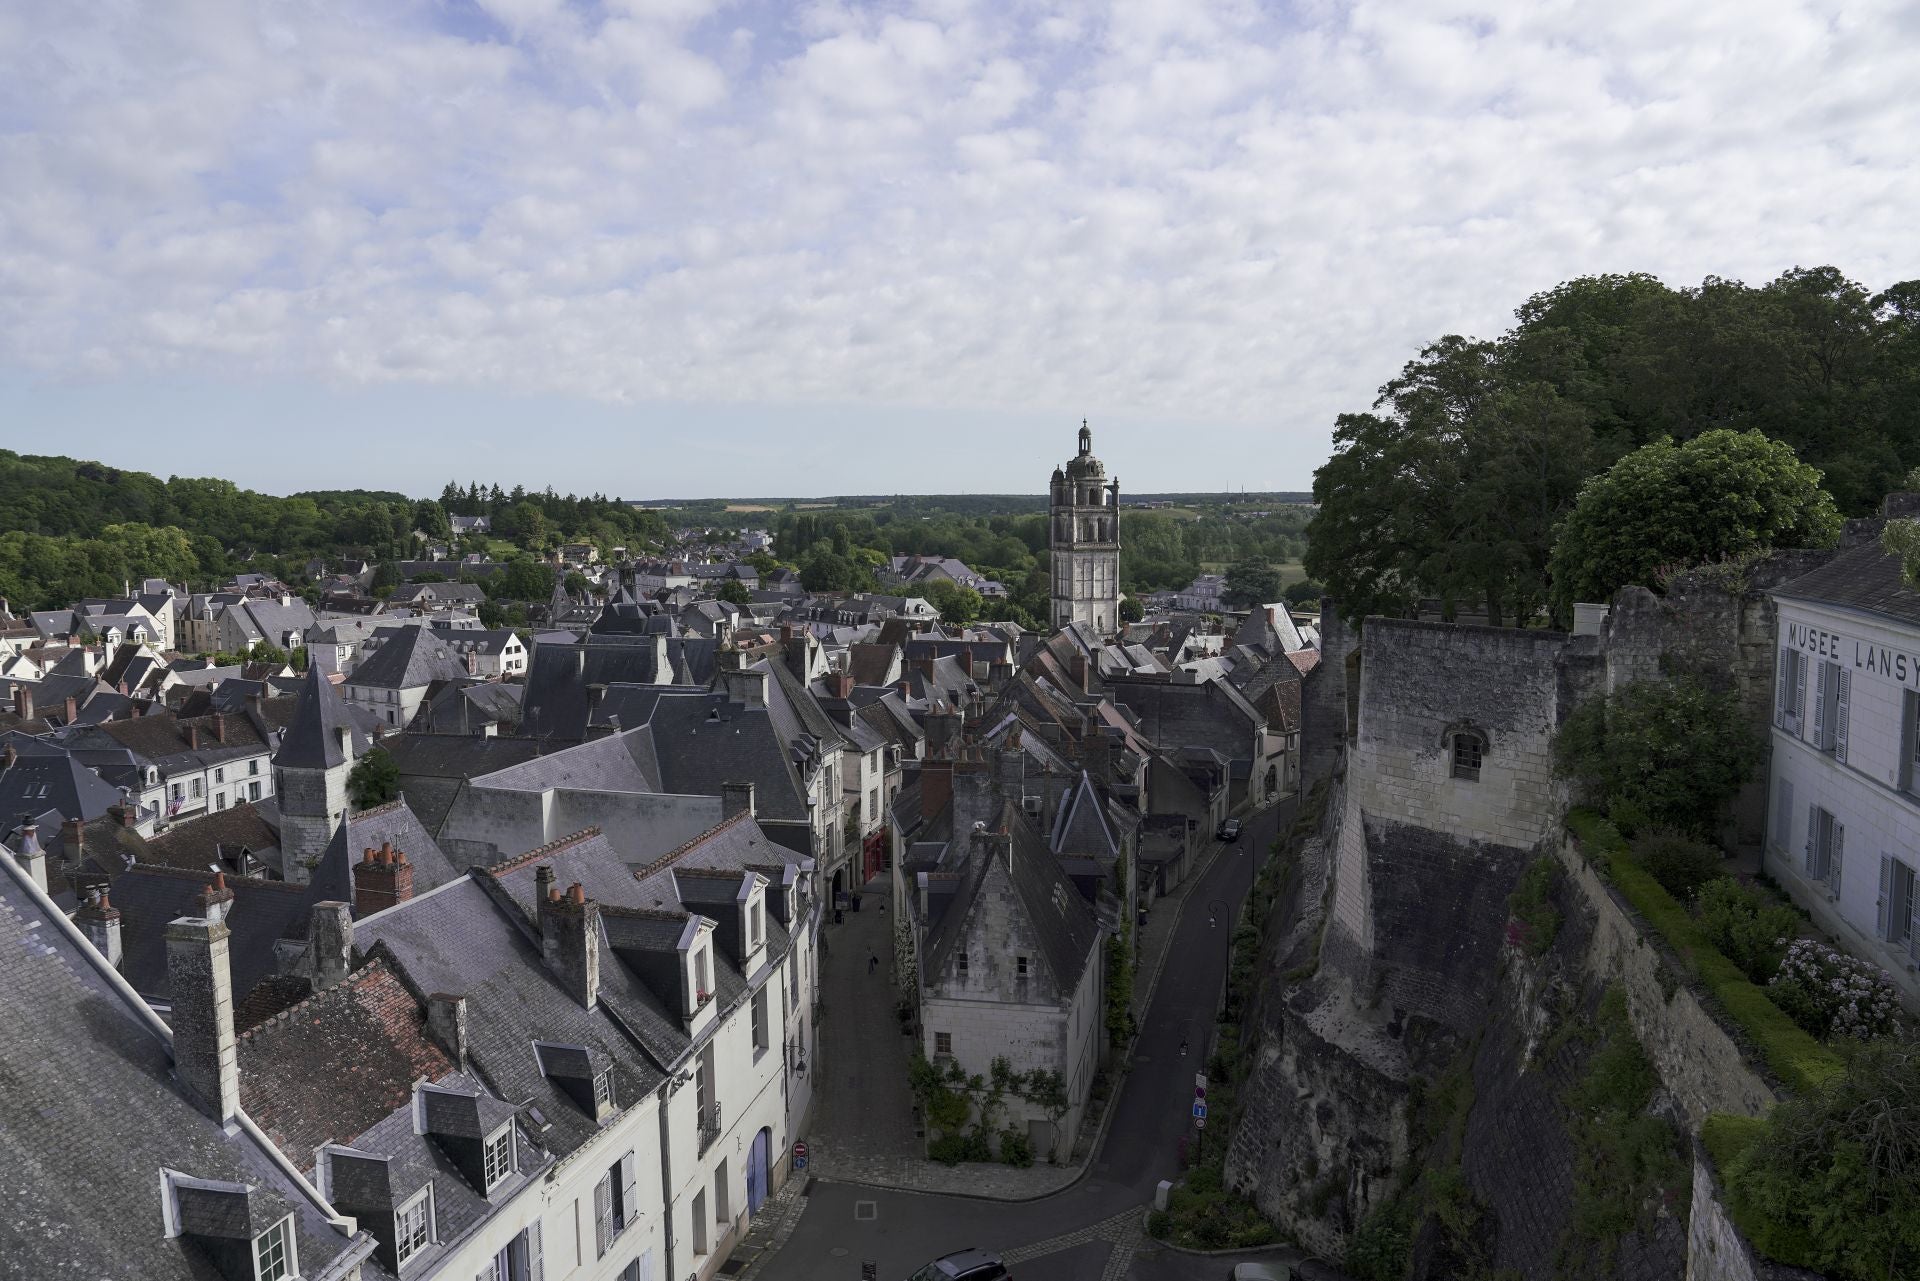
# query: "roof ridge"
[[540, 851], [382, 808], [667, 859], [373, 967]]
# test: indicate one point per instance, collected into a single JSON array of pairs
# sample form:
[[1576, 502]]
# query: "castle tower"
[[1084, 538], [316, 754]]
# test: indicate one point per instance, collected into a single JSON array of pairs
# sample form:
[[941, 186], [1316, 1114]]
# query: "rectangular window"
[[1466, 757], [943, 1043], [760, 1021], [412, 1226], [1826, 849], [273, 1252], [496, 1160], [1897, 900]]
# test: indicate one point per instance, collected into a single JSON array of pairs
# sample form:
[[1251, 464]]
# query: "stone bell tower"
[[1084, 538]]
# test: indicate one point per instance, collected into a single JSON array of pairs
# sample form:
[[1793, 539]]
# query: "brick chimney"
[[216, 900], [99, 920], [936, 786], [570, 940], [381, 878], [329, 944], [204, 1053], [736, 798]]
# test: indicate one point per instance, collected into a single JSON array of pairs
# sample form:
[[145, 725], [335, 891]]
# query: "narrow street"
[[1092, 1230]]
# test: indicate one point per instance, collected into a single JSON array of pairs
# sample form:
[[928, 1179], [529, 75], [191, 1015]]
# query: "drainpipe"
[[666, 1168]]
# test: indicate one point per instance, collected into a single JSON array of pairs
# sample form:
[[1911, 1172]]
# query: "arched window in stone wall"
[[1468, 748]]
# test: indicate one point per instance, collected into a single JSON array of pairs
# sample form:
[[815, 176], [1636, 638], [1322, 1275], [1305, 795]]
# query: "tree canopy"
[[1452, 486], [1722, 494]]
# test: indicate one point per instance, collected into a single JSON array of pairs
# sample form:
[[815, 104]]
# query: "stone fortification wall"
[[1700, 1063]]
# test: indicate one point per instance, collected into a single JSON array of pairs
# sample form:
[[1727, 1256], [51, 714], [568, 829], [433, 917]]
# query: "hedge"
[[1726, 1138], [1793, 1055]]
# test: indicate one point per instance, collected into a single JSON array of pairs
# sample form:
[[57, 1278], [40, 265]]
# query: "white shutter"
[[1843, 694], [1836, 860], [602, 1215], [1884, 921], [1799, 693], [1820, 708], [1783, 685], [536, 1264], [1813, 841], [629, 1191]]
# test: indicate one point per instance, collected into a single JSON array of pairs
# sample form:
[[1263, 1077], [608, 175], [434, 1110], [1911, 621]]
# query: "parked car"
[[1260, 1272], [964, 1265], [1230, 830]]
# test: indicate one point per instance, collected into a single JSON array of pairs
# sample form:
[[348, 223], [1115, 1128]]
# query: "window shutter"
[[1799, 693], [1820, 730], [1783, 685], [1883, 926], [1813, 838], [1843, 694], [1835, 860], [629, 1190], [602, 1215]]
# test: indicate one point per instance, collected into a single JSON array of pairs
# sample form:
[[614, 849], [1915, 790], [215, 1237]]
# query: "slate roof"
[[408, 658], [1867, 579], [312, 740], [462, 940], [91, 1115], [333, 1066]]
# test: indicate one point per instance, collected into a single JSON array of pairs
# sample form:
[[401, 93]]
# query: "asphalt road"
[[1070, 1235]]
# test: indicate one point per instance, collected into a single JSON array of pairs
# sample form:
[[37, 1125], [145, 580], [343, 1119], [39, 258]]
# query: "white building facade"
[[1843, 828]]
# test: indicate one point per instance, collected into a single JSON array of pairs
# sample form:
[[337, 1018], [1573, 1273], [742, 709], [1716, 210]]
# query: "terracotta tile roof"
[[338, 1063]]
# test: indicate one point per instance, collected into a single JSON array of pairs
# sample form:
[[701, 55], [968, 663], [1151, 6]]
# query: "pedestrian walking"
[[873, 962]]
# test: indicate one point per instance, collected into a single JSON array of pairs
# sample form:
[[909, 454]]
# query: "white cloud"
[[1171, 211]]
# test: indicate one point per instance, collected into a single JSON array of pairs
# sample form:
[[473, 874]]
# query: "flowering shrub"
[[1832, 994]]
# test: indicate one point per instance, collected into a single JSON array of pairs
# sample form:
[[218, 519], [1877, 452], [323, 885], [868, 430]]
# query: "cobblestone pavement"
[[862, 1103]]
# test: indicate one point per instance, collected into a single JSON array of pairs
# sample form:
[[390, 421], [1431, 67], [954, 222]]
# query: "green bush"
[[1831, 1180], [1016, 1149], [1680, 863], [1795, 1057], [1531, 904], [1659, 753], [1747, 925], [1623, 1157]]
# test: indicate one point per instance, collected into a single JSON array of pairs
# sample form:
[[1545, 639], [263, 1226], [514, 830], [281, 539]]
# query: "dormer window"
[[496, 1161], [273, 1254], [413, 1225]]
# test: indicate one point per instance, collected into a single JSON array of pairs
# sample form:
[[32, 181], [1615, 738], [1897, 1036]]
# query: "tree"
[[1131, 611], [1721, 495], [957, 605], [734, 592], [1250, 583], [375, 780], [1660, 753]]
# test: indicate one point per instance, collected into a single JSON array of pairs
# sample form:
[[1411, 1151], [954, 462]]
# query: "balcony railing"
[[709, 1125]]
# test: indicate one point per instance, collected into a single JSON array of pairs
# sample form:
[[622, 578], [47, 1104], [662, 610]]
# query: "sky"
[[660, 248]]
